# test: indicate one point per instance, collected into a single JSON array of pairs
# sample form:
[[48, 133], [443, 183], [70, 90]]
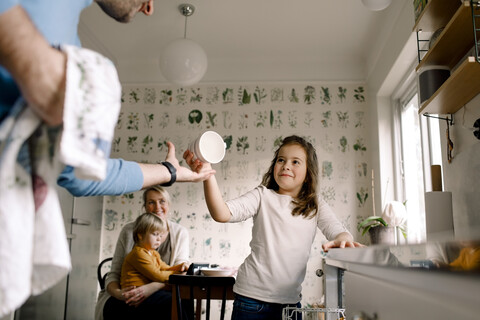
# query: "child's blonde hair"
[[148, 222]]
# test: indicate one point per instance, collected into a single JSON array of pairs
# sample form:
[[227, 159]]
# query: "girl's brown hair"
[[306, 204], [147, 222]]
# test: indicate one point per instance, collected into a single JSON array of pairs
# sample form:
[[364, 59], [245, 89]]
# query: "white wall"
[[337, 126], [462, 176]]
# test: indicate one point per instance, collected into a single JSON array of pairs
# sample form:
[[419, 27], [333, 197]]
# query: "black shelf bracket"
[[449, 118]]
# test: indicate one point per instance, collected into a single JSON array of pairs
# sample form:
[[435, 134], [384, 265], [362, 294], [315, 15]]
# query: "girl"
[[286, 211]]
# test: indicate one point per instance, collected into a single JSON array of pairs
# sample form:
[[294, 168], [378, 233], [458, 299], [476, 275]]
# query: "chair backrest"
[[200, 287], [102, 275]]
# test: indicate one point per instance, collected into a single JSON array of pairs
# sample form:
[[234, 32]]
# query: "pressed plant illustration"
[[359, 145], [211, 118], [227, 95], [195, 116], [166, 97], [196, 95], [293, 97], [147, 144], [212, 95], [148, 117], [134, 96], [292, 119], [242, 144], [359, 115], [327, 118], [343, 119], [133, 120], [326, 95], [132, 144], [327, 169], [260, 119], [343, 144], [276, 119], [149, 96], [359, 94], [276, 95], [308, 118], [362, 196], [227, 119], [309, 95], [260, 94], [342, 94], [243, 121], [243, 96]]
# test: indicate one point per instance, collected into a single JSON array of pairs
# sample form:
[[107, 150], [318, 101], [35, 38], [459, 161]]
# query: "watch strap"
[[173, 173]]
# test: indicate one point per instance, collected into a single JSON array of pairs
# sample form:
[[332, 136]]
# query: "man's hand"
[[184, 174]]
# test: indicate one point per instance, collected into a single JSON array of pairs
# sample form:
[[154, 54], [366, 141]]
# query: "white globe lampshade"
[[183, 62], [376, 5]]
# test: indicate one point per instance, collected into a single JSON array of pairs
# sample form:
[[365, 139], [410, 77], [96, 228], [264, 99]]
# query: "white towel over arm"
[[34, 253]]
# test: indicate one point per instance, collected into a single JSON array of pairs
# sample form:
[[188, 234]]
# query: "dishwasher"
[[333, 291]]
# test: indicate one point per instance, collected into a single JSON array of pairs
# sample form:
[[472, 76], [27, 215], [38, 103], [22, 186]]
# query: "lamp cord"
[[185, 32]]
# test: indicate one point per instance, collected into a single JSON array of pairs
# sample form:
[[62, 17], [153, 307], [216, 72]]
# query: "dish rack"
[[293, 313]]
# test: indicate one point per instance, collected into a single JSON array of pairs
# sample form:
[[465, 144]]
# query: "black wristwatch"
[[173, 173]]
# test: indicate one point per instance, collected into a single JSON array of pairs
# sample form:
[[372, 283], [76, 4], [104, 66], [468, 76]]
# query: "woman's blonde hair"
[[306, 204], [148, 222], [156, 188]]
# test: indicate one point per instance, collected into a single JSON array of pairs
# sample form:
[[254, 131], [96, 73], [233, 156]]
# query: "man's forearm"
[[38, 69]]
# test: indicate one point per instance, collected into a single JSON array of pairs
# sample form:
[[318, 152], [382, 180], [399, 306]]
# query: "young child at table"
[[286, 212], [143, 264]]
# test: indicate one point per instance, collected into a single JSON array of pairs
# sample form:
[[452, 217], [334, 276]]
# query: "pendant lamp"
[[183, 61]]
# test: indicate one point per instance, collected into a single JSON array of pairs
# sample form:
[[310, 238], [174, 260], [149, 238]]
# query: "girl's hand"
[[195, 164], [341, 244], [342, 240]]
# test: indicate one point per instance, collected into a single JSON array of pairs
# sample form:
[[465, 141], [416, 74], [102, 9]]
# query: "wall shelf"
[[461, 87], [449, 49]]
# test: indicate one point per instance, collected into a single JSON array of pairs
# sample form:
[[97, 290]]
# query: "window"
[[417, 141]]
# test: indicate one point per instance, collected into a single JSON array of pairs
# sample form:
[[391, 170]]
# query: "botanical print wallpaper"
[[252, 119]]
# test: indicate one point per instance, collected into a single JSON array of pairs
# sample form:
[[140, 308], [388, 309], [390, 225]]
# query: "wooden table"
[[200, 287]]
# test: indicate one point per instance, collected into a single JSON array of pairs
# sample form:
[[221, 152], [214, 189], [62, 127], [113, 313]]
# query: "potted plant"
[[383, 229]]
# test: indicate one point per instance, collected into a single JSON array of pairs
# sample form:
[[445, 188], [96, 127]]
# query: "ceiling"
[[250, 39]]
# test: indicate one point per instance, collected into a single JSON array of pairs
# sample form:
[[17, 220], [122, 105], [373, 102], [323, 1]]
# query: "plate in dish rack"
[[215, 272]]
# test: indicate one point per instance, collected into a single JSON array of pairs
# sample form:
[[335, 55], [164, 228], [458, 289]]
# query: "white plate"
[[216, 272]]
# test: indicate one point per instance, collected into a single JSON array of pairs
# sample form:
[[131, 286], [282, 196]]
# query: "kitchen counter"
[[437, 280]]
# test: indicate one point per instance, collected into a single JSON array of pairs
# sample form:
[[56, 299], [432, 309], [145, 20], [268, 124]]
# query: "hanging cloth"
[[34, 253]]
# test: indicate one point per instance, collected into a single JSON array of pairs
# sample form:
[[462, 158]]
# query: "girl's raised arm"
[[217, 207], [215, 203]]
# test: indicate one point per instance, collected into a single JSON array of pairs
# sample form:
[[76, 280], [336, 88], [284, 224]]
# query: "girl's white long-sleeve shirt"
[[280, 245]]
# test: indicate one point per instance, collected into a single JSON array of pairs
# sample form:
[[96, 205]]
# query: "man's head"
[[125, 10]]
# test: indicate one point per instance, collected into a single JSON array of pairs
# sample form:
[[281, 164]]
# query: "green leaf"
[[369, 222]]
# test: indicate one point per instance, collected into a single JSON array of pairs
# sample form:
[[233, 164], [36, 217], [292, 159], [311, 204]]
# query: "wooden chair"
[[199, 287]]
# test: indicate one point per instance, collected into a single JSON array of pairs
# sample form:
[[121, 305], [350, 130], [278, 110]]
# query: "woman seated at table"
[[113, 302]]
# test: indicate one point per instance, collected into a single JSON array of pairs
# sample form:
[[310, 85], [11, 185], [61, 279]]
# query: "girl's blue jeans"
[[245, 308]]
